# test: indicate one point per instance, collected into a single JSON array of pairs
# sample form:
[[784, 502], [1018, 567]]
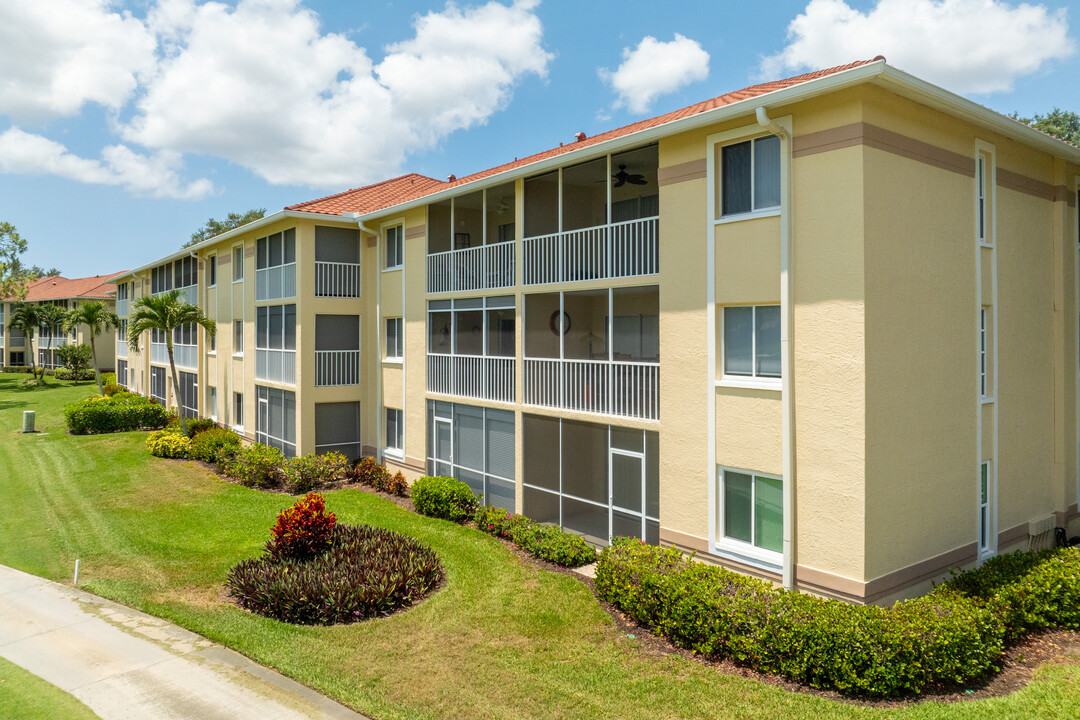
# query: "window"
[[984, 194], [189, 394], [751, 341], [211, 402], [238, 410], [394, 250], [750, 517], [395, 431], [395, 340], [157, 384], [211, 342], [275, 422], [337, 429], [238, 337], [122, 373], [238, 263], [185, 272], [750, 176], [211, 270], [474, 445], [122, 291], [275, 343], [275, 266]]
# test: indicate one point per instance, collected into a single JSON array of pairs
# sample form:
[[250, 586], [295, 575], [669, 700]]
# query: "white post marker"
[[76, 582]]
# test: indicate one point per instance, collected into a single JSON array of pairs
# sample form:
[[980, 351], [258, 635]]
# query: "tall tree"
[[12, 280], [216, 227], [24, 318], [1062, 124], [166, 312], [51, 317], [98, 319]]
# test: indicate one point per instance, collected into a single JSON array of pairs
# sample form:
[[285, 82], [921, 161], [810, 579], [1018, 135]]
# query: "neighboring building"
[[823, 330], [68, 293]]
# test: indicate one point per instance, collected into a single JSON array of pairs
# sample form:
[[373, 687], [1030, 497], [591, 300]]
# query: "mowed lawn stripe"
[[502, 639]]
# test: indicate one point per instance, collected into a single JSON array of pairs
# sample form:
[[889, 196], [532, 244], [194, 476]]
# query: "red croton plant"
[[303, 530]]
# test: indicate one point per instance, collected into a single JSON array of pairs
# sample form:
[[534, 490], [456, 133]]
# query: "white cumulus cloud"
[[262, 86], [156, 175], [57, 55], [655, 68], [968, 46]]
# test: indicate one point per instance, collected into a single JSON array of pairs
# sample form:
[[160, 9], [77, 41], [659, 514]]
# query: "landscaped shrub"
[[213, 444], [119, 413], [444, 497], [366, 572], [310, 472], [547, 542], [370, 473], [194, 425], [168, 444], [1027, 590], [944, 638], [254, 466], [302, 531], [111, 390], [64, 373]]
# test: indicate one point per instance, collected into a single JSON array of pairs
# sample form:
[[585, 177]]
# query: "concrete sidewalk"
[[125, 664]]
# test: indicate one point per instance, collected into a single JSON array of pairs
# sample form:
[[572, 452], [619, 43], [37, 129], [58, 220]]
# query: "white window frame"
[[211, 277], [240, 265], [386, 246], [238, 402], [985, 192], [985, 350], [211, 401], [238, 349], [737, 549], [754, 381], [989, 549], [715, 170], [399, 357], [397, 452]]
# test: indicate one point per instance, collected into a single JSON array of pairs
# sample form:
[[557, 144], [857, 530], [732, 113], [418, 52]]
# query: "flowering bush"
[[168, 444], [303, 530]]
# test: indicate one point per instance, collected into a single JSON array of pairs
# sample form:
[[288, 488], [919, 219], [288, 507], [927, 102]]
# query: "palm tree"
[[98, 319], [166, 312], [51, 317], [24, 318]]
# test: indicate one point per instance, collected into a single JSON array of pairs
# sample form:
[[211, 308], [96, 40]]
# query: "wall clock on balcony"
[[559, 323]]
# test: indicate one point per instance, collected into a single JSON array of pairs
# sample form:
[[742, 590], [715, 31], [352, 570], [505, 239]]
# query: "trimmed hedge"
[[309, 472], [944, 638], [255, 465], [547, 542], [215, 445], [444, 497], [194, 425], [119, 413], [168, 444], [63, 373]]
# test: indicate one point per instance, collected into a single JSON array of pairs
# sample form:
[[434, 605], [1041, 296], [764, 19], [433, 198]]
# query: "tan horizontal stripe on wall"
[[414, 464], [415, 232], [692, 170], [919, 572], [904, 146], [1012, 535], [372, 241], [684, 541], [224, 259], [249, 252], [825, 583]]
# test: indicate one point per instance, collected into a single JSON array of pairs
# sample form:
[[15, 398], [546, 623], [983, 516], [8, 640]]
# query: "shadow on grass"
[[9, 404]]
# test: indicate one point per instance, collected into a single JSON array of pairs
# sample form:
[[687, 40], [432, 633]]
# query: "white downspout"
[[379, 415], [787, 400]]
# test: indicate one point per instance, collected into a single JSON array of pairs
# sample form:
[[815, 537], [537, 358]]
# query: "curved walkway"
[[126, 664]]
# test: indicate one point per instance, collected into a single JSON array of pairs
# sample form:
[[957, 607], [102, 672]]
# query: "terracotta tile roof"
[[409, 187], [58, 288]]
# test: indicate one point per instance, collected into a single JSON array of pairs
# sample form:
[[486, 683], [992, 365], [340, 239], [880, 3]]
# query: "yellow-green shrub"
[[165, 443]]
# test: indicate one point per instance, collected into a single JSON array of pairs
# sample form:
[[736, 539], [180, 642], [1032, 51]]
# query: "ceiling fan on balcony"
[[622, 177]]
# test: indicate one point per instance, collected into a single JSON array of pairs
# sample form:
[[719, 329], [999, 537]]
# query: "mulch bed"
[[1018, 664]]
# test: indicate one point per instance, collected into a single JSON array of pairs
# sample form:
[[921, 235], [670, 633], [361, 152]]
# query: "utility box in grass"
[[28, 421]]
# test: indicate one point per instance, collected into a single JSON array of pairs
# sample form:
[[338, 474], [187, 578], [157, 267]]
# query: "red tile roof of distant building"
[[409, 187], [59, 288]]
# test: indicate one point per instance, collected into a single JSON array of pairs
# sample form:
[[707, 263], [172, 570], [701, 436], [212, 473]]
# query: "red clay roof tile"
[[59, 288]]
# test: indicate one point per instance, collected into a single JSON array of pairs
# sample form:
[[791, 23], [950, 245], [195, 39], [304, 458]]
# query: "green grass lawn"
[[501, 640], [28, 697]]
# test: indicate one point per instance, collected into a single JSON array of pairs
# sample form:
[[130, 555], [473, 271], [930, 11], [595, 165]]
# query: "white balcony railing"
[[121, 348], [122, 308], [52, 342], [337, 279], [186, 356], [337, 367], [625, 249], [274, 283], [625, 389], [478, 268], [276, 366], [472, 376], [16, 342], [188, 294]]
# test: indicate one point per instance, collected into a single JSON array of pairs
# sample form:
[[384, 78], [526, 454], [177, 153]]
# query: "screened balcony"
[[595, 351], [337, 262], [471, 348], [592, 221], [275, 344], [275, 266], [337, 350], [471, 241]]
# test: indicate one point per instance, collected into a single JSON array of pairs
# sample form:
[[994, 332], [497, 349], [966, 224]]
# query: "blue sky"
[[124, 126]]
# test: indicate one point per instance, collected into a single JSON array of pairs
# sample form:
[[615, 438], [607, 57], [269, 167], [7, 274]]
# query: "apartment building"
[[68, 293], [822, 330]]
